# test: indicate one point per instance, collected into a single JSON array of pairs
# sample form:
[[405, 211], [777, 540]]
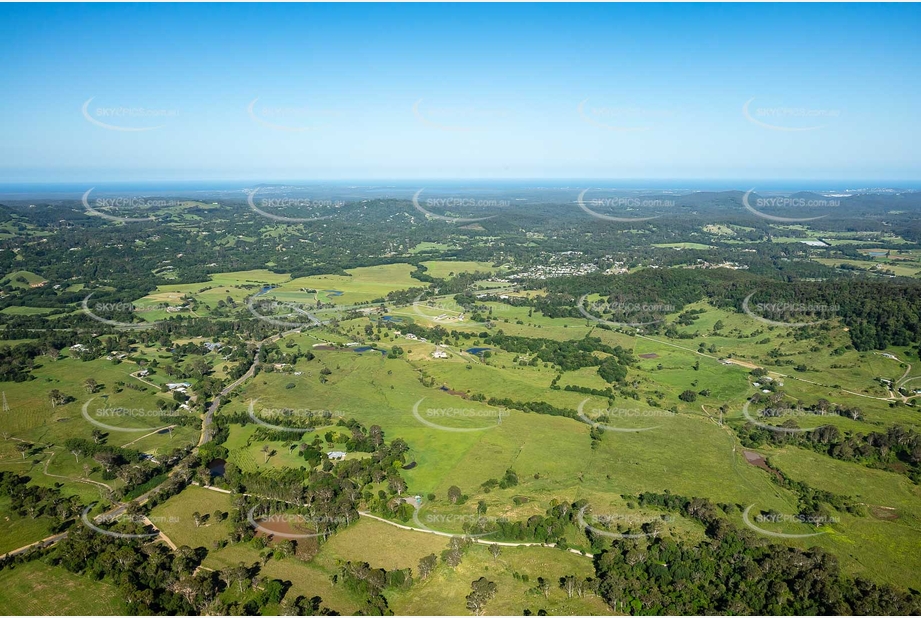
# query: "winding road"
[[475, 540], [216, 402], [205, 438]]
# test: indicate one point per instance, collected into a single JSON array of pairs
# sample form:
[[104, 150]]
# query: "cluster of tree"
[[481, 592], [597, 392], [151, 578], [126, 464], [537, 407], [112, 458], [812, 501], [35, 501], [156, 581], [733, 572], [328, 498], [549, 528], [567, 355], [371, 229], [509, 479], [897, 449], [879, 314], [369, 583]]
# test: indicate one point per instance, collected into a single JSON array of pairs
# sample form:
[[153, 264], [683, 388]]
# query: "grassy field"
[[249, 456], [15, 531], [834, 370], [36, 589], [905, 269], [884, 541], [362, 285], [687, 453], [237, 285], [379, 544], [446, 270], [444, 591], [388, 547], [175, 517], [512, 320], [33, 419], [22, 279], [26, 311], [306, 578], [682, 245], [682, 456], [435, 247]]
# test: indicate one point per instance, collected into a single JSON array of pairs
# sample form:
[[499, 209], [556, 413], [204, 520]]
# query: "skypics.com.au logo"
[[129, 413], [645, 312], [601, 524], [287, 315], [780, 518], [134, 203], [297, 526], [455, 119], [447, 313], [287, 203], [121, 517], [788, 119], [607, 417], [629, 203], [293, 420], [485, 418], [624, 119], [125, 118], [778, 413], [124, 308], [815, 312], [473, 526], [291, 118], [464, 203], [787, 203]]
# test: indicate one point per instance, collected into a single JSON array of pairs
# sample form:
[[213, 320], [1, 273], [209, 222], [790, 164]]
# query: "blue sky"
[[268, 92]]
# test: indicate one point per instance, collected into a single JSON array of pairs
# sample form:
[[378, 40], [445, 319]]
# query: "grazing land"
[[389, 415]]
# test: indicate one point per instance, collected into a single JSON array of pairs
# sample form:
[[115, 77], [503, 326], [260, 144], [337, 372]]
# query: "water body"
[[217, 467], [477, 350], [367, 348], [334, 292]]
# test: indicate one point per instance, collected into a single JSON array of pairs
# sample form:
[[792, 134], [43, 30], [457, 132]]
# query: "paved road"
[[216, 403], [205, 437], [425, 531], [51, 540]]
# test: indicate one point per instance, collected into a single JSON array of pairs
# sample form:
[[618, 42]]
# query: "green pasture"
[[37, 589]]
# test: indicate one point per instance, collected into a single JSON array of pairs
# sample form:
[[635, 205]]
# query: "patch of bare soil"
[[757, 460], [886, 513]]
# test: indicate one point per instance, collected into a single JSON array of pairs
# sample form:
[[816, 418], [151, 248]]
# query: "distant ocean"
[[405, 188]]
